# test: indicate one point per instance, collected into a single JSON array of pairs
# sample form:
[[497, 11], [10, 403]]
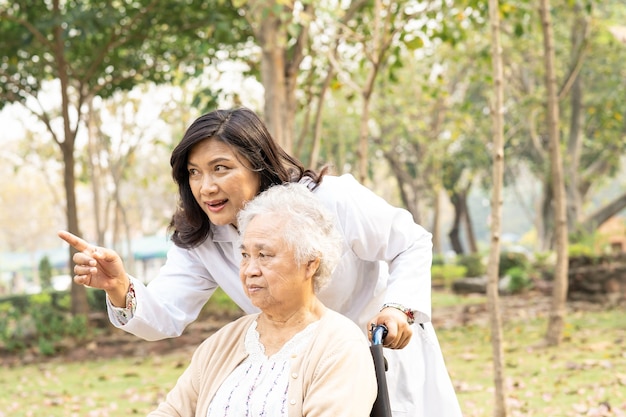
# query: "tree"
[[432, 130], [130, 139], [591, 110], [45, 273], [25, 222], [556, 322], [281, 31], [373, 45], [315, 97], [602, 118], [387, 20], [95, 48], [497, 112]]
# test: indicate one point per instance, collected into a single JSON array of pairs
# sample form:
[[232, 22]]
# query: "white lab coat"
[[386, 258]]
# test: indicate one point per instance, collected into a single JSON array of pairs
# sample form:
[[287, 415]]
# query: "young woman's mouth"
[[215, 205]]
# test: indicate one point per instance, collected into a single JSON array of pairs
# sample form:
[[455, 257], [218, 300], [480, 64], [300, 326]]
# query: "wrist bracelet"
[[410, 316], [131, 301]]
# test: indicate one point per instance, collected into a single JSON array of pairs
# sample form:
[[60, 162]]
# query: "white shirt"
[[258, 386]]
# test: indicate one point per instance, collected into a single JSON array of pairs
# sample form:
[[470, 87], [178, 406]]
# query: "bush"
[[579, 250], [45, 273], [40, 320], [510, 260], [473, 264], [543, 265], [444, 275], [11, 332], [519, 279], [220, 304], [97, 300], [439, 259]]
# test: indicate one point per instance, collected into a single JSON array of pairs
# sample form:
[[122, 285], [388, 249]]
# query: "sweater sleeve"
[[211, 363]]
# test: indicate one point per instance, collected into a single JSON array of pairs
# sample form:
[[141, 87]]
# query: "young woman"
[[225, 159]]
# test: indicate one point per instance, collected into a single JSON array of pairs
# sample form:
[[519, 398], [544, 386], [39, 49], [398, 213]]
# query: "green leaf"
[[414, 43]]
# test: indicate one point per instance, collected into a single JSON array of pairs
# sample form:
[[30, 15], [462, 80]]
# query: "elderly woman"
[[296, 357]]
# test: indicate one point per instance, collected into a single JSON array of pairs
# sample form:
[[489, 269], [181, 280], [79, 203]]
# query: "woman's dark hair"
[[246, 134]]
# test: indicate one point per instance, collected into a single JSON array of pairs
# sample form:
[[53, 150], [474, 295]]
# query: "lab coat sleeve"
[[172, 300], [377, 231]]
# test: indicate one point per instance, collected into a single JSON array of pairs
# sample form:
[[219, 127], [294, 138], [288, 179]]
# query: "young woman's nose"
[[209, 185]]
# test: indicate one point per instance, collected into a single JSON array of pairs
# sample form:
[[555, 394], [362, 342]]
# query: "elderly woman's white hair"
[[309, 229]]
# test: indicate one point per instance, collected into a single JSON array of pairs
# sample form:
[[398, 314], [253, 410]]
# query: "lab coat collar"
[[224, 233]]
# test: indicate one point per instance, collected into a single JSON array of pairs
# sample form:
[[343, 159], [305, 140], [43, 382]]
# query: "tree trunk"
[[362, 151], [280, 64], [79, 306], [462, 218], [317, 128], [379, 48], [455, 230], [556, 322], [78, 293], [435, 228], [578, 35], [330, 75], [493, 269], [409, 187], [545, 219], [595, 220], [467, 221], [574, 200], [95, 172], [274, 83]]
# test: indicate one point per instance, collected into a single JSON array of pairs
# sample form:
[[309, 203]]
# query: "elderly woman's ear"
[[312, 266]]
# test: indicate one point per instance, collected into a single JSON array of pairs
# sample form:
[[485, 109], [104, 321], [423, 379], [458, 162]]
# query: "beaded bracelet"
[[131, 301]]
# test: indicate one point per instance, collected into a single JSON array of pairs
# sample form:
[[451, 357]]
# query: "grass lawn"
[[100, 388], [585, 376]]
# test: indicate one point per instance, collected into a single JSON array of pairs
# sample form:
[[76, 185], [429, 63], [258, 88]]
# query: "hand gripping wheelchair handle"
[[381, 407]]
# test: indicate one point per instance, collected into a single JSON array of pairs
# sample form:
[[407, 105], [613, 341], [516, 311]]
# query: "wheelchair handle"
[[379, 332]]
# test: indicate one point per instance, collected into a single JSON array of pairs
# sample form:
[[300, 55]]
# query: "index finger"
[[78, 243]]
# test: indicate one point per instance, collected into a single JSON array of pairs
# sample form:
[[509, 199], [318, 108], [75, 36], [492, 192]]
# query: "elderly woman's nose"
[[250, 266]]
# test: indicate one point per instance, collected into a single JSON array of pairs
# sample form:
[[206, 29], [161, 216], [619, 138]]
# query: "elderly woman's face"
[[271, 277], [220, 181]]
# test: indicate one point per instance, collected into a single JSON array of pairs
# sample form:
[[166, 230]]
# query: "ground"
[[117, 343]]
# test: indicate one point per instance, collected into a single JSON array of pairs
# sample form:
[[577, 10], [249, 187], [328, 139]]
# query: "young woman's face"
[[270, 275], [221, 180]]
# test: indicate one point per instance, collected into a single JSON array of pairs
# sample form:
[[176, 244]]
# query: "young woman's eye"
[[192, 172]]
